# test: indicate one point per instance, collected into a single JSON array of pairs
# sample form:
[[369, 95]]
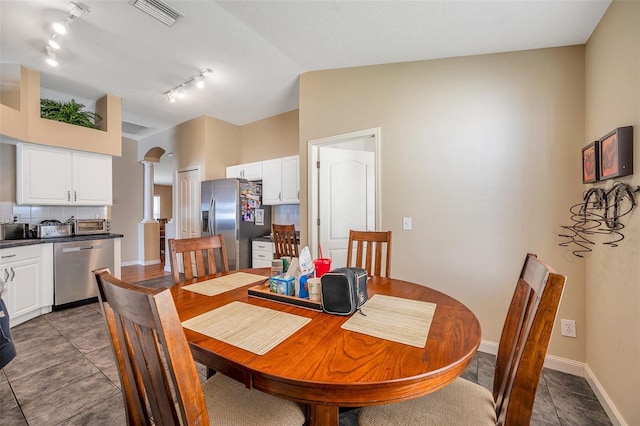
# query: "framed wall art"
[[591, 162], [616, 153]]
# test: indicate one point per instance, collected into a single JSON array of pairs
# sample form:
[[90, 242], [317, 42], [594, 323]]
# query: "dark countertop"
[[269, 238], [33, 241]]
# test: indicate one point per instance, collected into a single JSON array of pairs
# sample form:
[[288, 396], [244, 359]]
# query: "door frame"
[[313, 149]]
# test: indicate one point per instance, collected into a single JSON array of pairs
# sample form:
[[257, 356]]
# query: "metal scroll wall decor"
[[599, 214]]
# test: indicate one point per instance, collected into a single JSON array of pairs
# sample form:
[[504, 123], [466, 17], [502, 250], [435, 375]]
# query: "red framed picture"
[[616, 153], [591, 163]]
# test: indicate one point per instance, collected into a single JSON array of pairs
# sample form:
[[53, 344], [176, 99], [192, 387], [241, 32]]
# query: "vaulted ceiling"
[[257, 49]]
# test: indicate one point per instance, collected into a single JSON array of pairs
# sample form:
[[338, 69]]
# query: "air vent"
[[159, 10], [133, 129]]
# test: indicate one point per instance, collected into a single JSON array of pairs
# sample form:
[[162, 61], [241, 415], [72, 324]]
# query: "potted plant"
[[69, 112]]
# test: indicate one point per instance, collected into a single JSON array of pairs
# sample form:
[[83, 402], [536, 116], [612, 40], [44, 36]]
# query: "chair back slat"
[[209, 254], [372, 251], [524, 341], [285, 242], [159, 380]]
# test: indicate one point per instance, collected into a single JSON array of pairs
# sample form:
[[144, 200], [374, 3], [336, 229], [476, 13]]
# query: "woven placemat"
[[393, 318], [224, 283], [252, 328]]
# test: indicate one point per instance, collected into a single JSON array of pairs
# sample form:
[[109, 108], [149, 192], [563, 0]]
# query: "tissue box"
[[281, 285]]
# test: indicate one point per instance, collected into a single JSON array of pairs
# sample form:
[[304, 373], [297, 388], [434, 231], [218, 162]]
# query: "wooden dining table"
[[327, 367]]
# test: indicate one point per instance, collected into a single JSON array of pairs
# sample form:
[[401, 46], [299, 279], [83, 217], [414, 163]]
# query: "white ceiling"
[[258, 49]]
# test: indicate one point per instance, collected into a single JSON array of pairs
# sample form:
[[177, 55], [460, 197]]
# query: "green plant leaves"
[[68, 112]]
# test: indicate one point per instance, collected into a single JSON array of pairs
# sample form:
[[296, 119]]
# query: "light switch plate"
[[406, 224]]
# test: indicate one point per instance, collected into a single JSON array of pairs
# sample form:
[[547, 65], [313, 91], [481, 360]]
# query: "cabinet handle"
[[6, 276], [298, 195], [13, 274], [280, 196], [75, 196], [68, 195], [9, 255]]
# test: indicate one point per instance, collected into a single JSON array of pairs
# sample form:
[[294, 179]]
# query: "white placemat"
[[224, 283], [393, 318], [252, 328]]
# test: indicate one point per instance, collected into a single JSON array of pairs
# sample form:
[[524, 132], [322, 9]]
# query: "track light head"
[[53, 43], [51, 57]]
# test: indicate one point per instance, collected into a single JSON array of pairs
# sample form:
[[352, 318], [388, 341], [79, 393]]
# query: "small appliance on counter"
[[13, 231], [90, 226], [53, 228]]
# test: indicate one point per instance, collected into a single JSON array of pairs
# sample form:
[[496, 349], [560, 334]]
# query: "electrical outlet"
[[406, 224], [568, 327], [16, 218]]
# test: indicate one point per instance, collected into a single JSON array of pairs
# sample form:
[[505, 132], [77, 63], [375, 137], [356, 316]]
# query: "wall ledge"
[[26, 124]]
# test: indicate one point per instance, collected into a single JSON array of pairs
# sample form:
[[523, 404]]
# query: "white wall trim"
[[575, 368], [131, 263], [608, 405]]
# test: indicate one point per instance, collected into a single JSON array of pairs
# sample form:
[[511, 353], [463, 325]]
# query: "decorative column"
[[148, 192]]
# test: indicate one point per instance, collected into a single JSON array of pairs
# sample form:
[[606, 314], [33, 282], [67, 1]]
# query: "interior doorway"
[[344, 182]]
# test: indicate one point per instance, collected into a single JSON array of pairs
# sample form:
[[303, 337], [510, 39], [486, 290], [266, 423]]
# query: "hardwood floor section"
[[137, 273]]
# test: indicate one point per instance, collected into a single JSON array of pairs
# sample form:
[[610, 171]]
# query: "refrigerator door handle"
[[212, 213]]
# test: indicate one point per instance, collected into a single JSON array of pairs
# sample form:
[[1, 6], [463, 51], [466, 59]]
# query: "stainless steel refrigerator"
[[233, 208]]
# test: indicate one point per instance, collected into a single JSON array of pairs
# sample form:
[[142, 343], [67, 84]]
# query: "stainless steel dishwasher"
[[74, 284]]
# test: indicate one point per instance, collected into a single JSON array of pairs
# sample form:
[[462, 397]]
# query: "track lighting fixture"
[[51, 56], [60, 28], [198, 81]]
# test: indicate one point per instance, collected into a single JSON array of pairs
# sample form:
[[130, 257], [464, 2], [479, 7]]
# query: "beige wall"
[[166, 204], [613, 274], [221, 144], [127, 209], [484, 153], [273, 137]]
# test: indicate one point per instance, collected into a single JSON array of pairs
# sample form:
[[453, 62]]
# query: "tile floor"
[[65, 374]]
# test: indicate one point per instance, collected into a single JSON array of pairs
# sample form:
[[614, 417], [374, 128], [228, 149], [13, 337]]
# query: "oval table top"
[[327, 367]]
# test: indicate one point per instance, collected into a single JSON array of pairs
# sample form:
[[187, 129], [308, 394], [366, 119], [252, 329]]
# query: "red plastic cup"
[[322, 266]]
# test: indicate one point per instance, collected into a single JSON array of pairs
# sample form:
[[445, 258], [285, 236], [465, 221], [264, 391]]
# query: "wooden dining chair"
[[371, 248], [521, 352], [200, 250], [285, 241], [158, 376]]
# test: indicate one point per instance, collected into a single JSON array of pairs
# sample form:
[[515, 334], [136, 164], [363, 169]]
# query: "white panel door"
[[188, 209], [346, 199]]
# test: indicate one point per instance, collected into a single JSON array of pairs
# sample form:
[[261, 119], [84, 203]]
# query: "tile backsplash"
[[286, 214], [33, 215]]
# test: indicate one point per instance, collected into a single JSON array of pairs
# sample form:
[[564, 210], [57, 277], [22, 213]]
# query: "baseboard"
[[130, 263], [608, 405], [551, 361], [575, 368]]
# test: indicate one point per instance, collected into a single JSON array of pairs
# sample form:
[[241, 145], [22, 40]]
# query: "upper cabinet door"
[[281, 181], [92, 180], [53, 176], [249, 171], [272, 182], [43, 175], [291, 180]]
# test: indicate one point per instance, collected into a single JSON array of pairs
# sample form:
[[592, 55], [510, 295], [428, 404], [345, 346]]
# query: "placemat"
[[393, 318], [253, 328], [225, 283]]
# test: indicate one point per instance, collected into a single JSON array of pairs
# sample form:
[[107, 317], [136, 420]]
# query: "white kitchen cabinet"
[[261, 254], [27, 274], [281, 181], [249, 171], [54, 176]]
